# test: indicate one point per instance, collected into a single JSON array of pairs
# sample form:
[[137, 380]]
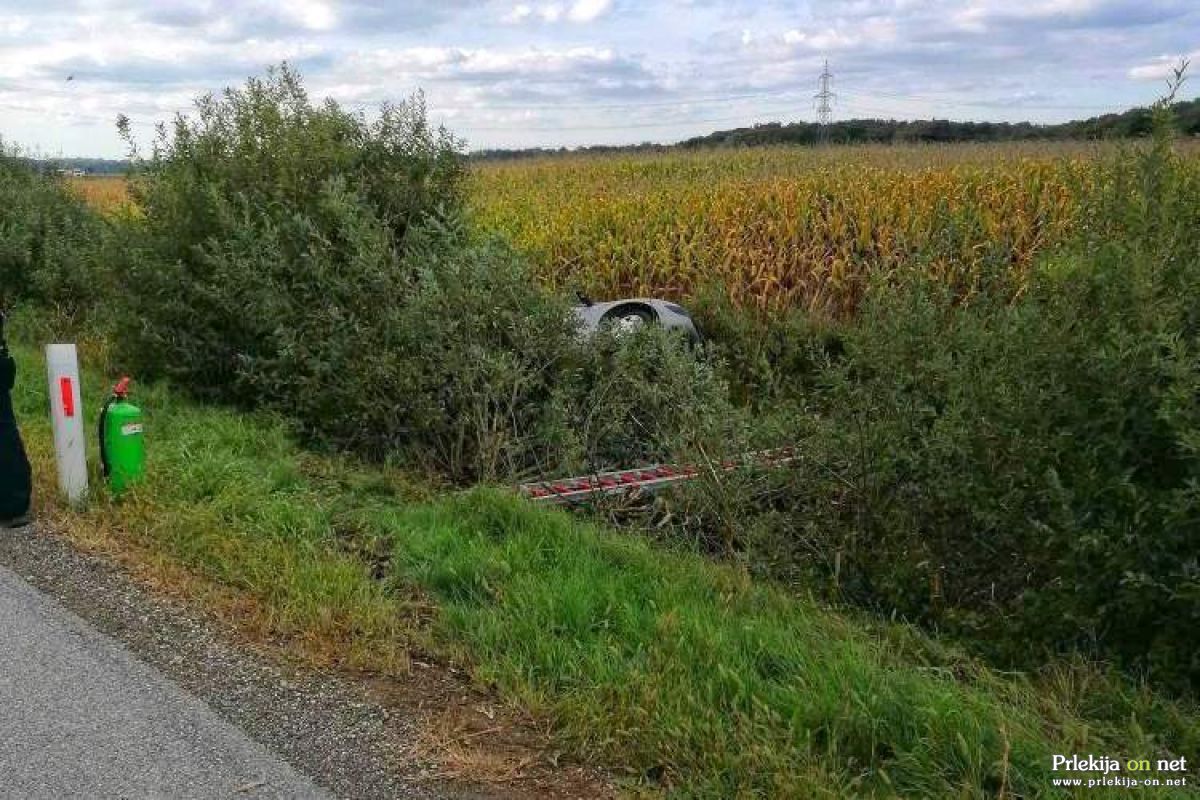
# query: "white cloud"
[[423, 63], [842, 34], [824, 40], [519, 13], [313, 14], [589, 10], [1161, 68], [977, 14], [580, 11], [13, 25]]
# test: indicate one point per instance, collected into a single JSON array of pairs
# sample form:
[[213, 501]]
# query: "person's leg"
[[15, 477]]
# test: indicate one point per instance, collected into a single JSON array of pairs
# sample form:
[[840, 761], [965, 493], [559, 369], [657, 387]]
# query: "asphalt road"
[[81, 717]]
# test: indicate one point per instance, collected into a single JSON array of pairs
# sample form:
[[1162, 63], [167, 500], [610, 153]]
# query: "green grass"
[[676, 671]]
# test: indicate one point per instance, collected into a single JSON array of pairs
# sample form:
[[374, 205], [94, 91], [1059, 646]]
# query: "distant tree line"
[[502, 154], [90, 166], [1133, 123]]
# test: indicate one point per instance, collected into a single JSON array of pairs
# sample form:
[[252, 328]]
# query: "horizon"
[[652, 144], [587, 73]]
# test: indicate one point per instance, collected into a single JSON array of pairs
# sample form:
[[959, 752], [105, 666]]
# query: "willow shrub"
[[300, 258], [262, 209]]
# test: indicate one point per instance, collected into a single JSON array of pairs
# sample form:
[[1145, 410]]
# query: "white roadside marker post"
[[66, 416]]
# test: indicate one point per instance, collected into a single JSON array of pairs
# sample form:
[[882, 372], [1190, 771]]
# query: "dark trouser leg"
[[15, 476]]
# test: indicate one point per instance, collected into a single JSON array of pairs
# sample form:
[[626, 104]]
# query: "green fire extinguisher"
[[122, 448]]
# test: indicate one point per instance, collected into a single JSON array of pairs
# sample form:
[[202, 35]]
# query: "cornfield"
[[106, 193], [785, 227], [775, 228]]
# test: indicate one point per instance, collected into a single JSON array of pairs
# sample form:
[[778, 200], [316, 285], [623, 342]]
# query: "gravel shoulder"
[[327, 727]]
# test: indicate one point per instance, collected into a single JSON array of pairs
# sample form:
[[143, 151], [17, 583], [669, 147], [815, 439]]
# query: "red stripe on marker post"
[[68, 396]]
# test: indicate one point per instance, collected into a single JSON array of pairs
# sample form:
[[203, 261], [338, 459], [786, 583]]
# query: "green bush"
[[263, 210], [1025, 472], [640, 397], [301, 259], [454, 372], [49, 240]]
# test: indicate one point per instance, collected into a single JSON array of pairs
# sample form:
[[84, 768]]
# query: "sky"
[[555, 73]]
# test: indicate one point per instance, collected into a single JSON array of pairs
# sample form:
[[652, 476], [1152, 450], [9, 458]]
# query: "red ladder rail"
[[645, 479]]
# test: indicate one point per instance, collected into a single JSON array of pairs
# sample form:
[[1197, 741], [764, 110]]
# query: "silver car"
[[634, 313]]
